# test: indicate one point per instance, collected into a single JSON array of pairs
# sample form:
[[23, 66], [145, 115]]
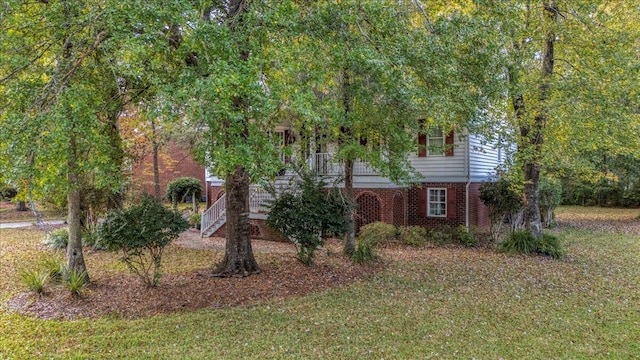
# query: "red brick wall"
[[366, 213], [478, 213], [173, 163], [392, 212], [455, 217]]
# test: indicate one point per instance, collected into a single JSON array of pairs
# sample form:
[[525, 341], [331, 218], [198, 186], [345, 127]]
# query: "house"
[[448, 193], [173, 162]]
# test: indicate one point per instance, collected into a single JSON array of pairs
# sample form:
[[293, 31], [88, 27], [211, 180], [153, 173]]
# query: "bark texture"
[[238, 257], [75, 257]]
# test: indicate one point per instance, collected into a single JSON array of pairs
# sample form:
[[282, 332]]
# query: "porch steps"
[[215, 216]]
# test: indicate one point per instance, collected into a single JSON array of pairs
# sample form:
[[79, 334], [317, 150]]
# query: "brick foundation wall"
[[455, 216], [393, 206], [478, 212]]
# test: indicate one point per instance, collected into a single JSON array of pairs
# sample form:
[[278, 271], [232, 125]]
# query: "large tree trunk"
[[535, 133], [75, 258], [238, 258]]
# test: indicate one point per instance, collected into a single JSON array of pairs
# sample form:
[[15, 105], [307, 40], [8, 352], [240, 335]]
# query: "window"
[[437, 202], [435, 143]]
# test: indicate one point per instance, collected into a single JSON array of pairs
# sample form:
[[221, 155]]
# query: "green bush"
[[549, 197], [466, 238], [307, 213], [180, 188], [523, 242], [441, 234], [412, 235], [57, 239], [501, 199], [551, 246], [378, 233], [370, 237], [8, 192], [141, 233]]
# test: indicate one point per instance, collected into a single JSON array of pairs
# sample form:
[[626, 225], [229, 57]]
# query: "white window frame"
[[442, 138], [443, 201]]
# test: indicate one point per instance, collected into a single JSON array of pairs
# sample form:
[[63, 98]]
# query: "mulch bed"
[[282, 277]]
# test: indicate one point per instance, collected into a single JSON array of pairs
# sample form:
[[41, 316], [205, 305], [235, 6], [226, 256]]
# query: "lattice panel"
[[368, 210]]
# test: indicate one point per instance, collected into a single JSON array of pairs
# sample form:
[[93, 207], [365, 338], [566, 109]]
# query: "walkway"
[[15, 225]]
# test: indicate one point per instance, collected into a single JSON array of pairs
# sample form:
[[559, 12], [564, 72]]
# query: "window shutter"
[[422, 140], [451, 203], [449, 142], [422, 201], [422, 145]]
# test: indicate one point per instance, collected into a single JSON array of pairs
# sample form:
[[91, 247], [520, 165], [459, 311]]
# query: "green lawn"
[[430, 303]]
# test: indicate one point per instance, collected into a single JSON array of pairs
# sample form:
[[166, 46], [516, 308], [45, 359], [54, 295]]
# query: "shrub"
[[412, 235], [551, 246], [369, 237], [441, 234], [141, 233], [523, 242], [34, 280], [8, 192], [180, 188], [307, 213], [501, 199], [377, 233], [57, 239], [550, 197], [466, 237]]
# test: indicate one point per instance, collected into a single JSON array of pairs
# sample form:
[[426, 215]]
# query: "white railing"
[[323, 164], [213, 214], [259, 200]]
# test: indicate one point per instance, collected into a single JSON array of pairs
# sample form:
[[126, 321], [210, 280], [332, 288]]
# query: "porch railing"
[[324, 164]]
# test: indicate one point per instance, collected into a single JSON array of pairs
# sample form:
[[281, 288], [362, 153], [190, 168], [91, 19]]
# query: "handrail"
[[213, 214]]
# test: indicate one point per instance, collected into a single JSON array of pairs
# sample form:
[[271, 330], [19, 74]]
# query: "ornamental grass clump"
[[523, 242], [140, 233]]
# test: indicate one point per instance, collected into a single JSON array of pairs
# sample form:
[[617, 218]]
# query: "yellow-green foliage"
[[412, 235]]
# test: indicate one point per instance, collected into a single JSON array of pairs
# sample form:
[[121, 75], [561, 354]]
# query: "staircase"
[[215, 216]]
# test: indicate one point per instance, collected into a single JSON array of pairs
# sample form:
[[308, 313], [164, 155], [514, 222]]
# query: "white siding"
[[443, 168], [484, 158]]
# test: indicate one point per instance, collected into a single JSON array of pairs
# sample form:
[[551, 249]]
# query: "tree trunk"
[[21, 205], [535, 133], [350, 235], [156, 167], [347, 133], [238, 258], [75, 258]]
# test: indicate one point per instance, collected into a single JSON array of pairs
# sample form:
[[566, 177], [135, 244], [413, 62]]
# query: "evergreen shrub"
[[140, 233]]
